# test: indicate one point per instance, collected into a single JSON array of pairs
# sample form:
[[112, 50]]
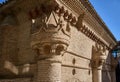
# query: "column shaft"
[[49, 70], [97, 75]]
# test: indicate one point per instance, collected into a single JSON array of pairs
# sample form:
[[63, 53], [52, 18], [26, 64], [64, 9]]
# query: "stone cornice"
[[91, 9], [79, 7], [90, 34], [93, 12], [60, 10]]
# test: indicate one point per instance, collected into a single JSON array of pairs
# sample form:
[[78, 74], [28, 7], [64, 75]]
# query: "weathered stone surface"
[[17, 80], [54, 41]]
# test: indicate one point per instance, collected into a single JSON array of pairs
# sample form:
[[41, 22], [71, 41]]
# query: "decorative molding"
[[77, 67], [77, 55], [46, 50], [85, 30], [80, 6], [50, 5], [61, 12], [66, 15], [41, 10]]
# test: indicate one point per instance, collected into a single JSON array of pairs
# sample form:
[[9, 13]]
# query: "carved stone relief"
[[51, 31]]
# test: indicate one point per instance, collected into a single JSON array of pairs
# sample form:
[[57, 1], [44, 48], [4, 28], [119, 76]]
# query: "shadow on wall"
[[118, 72]]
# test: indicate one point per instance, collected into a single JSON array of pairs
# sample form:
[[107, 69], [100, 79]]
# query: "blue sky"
[[2, 0], [109, 11]]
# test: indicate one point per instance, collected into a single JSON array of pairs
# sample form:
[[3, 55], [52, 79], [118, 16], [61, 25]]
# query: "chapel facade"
[[54, 41]]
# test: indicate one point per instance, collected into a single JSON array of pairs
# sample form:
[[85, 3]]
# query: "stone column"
[[98, 59], [49, 71], [50, 38], [97, 75], [49, 62]]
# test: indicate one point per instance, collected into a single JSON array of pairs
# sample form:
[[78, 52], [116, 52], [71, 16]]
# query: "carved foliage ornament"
[[51, 49], [98, 55]]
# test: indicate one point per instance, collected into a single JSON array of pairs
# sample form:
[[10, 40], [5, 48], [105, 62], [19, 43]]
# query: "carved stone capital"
[[51, 33], [98, 56], [50, 49]]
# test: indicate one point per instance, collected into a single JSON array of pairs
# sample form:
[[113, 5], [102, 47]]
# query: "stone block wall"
[[25, 53], [76, 60]]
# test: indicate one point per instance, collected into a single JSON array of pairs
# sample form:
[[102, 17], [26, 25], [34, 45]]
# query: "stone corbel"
[[79, 23]]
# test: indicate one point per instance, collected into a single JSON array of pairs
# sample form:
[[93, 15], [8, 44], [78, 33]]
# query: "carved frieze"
[[53, 25]]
